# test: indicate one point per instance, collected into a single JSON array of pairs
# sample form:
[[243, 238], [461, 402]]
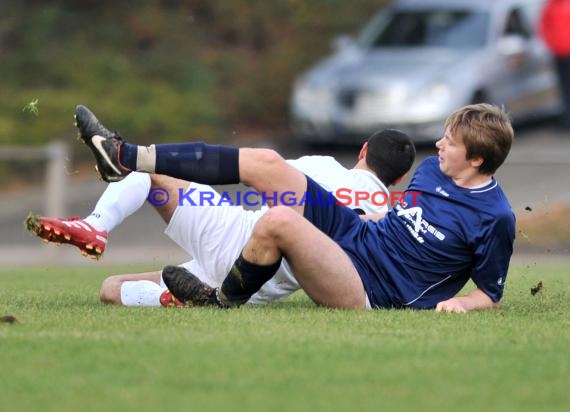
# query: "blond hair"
[[487, 132]]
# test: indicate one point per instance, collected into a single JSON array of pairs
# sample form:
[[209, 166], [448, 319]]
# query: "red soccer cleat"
[[74, 231], [168, 300]]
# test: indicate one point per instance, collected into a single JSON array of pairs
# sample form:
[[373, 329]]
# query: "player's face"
[[452, 155]]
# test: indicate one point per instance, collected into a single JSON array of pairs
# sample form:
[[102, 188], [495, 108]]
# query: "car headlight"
[[436, 93], [312, 97], [432, 100]]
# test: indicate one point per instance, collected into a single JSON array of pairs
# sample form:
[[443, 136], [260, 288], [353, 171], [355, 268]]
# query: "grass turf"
[[68, 352]]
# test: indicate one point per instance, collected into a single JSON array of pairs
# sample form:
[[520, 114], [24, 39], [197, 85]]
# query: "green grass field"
[[70, 353]]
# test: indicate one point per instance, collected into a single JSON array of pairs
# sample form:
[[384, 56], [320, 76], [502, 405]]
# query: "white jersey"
[[339, 180], [215, 235]]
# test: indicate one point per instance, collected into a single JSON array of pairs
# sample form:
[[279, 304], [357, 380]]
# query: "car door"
[[528, 86]]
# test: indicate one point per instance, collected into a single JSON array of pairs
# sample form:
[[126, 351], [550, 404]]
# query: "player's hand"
[[474, 300], [453, 305]]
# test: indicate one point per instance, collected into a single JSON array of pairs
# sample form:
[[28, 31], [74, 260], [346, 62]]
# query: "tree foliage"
[[161, 70]]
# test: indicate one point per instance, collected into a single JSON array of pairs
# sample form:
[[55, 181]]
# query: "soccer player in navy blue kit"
[[454, 223]]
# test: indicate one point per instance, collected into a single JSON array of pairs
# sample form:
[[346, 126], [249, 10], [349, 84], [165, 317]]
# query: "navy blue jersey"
[[427, 248]]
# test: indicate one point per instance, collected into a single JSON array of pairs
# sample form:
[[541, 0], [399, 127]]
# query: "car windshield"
[[428, 28]]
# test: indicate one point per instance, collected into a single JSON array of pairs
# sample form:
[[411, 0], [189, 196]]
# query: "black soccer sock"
[[197, 161], [245, 278]]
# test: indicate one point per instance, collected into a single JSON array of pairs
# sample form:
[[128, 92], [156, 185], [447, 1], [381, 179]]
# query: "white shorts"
[[214, 236]]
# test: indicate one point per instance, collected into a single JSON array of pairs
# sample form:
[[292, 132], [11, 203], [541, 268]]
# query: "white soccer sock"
[[119, 200], [141, 293]]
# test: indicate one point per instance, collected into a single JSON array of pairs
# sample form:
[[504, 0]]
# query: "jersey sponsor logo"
[[416, 224], [442, 192]]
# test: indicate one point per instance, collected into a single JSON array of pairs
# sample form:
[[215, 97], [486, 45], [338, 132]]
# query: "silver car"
[[418, 60]]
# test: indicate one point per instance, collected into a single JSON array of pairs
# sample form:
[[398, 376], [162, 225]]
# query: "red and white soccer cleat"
[[168, 300], [74, 231]]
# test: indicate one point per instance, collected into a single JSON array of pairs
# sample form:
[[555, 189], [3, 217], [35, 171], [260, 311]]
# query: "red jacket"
[[555, 26]]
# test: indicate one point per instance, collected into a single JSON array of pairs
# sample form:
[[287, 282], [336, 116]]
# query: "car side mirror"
[[342, 42], [512, 45]]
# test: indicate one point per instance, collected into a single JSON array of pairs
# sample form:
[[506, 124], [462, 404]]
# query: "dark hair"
[[390, 155]]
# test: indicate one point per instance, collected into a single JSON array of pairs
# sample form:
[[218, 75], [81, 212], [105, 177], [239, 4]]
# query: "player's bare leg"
[[110, 291], [138, 289], [322, 268], [330, 279], [263, 169], [170, 186]]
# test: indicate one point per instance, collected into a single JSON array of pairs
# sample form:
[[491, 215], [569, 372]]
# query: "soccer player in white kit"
[[213, 230]]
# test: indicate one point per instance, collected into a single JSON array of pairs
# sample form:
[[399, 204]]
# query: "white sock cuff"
[[140, 293], [146, 158]]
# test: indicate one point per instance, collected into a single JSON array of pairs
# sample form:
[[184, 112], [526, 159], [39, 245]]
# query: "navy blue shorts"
[[355, 236]]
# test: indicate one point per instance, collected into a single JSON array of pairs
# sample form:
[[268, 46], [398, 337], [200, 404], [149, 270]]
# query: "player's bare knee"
[[111, 290], [256, 165], [155, 180], [268, 157], [164, 181], [276, 223]]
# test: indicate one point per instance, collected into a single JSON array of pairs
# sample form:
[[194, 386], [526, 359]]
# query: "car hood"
[[391, 67]]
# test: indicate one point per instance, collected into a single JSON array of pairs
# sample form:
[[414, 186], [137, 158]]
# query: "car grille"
[[347, 98]]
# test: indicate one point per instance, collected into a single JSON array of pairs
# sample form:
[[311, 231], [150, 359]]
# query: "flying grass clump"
[[32, 223], [32, 107]]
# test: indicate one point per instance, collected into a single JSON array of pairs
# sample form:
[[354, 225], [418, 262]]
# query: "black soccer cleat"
[[188, 288], [104, 144]]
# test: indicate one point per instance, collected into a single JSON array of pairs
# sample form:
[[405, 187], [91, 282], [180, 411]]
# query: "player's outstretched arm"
[[474, 300]]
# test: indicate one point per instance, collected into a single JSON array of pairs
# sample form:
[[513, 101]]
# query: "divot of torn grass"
[[32, 223]]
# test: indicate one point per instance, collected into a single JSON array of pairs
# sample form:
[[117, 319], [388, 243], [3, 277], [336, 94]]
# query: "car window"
[[530, 14], [517, 24], [433, 28]]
